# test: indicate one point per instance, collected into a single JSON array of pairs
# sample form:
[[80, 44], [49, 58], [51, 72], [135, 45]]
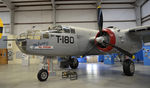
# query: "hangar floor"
[[91, 75]]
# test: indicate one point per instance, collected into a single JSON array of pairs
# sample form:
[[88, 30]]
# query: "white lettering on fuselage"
[[41, 45]]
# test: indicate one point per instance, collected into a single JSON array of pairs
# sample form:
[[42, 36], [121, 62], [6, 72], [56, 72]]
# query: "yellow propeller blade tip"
[[0, 35], [1, 23], [1, 28], [133, 57], [99, 7]]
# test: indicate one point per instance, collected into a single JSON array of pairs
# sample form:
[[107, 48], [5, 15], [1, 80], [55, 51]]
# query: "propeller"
[[99, 17], [102, 38], [121, 50]]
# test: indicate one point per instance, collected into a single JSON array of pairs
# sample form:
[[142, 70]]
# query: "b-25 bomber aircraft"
[[72, 41]]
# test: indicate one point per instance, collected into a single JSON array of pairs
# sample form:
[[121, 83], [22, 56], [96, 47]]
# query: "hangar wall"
[[122, 16], [76, 15], [146, 13], [5, 16]]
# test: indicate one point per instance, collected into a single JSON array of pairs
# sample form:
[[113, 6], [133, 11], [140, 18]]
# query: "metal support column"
[[138, 16], [11, 7], [54, 12], [12, 13], [138, 13]]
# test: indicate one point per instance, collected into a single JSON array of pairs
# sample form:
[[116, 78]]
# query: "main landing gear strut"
[[69, 61]]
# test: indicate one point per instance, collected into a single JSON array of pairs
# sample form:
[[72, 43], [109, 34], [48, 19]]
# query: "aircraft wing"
[[142, 31]]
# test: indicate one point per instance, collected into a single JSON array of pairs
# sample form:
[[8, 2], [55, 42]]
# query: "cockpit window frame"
[[61, 29], [72, 31]]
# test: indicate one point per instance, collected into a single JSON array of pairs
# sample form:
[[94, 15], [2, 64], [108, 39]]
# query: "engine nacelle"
[[120, 38]]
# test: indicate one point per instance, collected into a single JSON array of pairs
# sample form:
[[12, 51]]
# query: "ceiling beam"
[[77, 2], [9, 4], [140, 2]]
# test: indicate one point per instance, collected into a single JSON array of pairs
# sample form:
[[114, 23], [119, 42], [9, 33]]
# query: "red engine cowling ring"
[[111, 37]]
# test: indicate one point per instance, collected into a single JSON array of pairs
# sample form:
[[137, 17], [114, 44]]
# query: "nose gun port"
[[21, 43]]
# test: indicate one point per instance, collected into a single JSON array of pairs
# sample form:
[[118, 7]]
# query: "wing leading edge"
[[142, 32]]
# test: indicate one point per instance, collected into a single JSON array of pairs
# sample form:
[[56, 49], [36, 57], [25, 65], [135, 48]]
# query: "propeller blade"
[[99, 17], [122, 50]]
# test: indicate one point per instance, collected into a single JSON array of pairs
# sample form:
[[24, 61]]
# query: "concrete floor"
[[91, 75]]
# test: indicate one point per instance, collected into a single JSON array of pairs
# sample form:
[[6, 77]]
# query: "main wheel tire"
[[74, 63], [128, 67], [42, 75]]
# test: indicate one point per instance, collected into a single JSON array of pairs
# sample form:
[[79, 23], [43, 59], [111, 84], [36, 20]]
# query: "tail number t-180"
[[65, 39]]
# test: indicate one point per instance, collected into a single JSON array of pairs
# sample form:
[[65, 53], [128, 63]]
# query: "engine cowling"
[[107, 36]]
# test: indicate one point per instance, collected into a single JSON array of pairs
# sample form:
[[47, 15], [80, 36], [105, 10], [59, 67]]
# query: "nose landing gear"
[[47, 69], [42, 75]]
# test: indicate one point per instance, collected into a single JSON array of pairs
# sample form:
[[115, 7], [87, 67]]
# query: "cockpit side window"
[[72, 31], [46, 35], [66, 31]]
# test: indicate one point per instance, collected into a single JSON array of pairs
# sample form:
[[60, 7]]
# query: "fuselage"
[[72, 42]]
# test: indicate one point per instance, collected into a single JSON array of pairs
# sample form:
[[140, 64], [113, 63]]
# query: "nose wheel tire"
[[74, 63], [128, 67], [42, 75]]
